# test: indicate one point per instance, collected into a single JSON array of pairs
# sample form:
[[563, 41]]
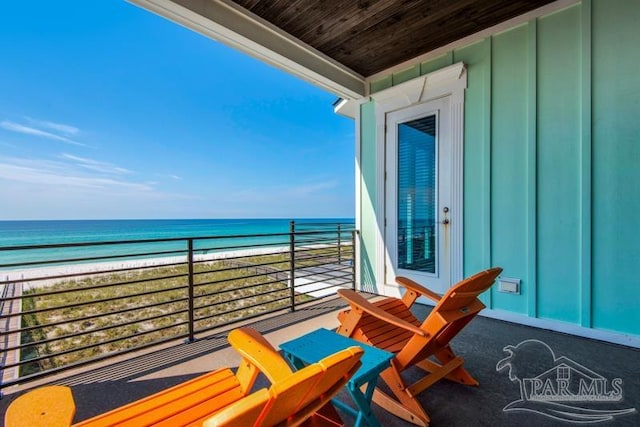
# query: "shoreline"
[[38, 277]]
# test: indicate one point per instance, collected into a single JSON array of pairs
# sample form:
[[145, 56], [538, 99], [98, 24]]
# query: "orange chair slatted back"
[[292, 399], [457, 307], [303, 392]]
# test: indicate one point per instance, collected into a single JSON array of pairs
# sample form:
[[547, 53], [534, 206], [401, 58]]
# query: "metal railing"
[[71, 304]]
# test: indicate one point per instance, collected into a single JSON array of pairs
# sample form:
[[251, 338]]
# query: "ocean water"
[[28, 233]]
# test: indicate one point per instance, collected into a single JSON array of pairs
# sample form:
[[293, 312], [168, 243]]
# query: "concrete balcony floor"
[[104, 386]]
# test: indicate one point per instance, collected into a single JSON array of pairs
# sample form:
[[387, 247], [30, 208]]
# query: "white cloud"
[[28, 130], [285, 193], [314, 199], [95, 165], [58, 127], [67, 177], [55, 174], [176, 177], [50, 189]]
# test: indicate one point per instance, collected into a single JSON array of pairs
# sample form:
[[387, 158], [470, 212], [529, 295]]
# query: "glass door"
[[417, 193]]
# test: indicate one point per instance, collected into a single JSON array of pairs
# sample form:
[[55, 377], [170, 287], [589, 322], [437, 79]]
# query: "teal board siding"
[[532, 171], [381, 84], [551, 163], [406, 75], [616, 165], [368, 196], [559, 106], [509, 161], [477, 158], [436, 63]]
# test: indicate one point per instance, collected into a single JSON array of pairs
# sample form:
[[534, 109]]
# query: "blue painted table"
[[312, 347]]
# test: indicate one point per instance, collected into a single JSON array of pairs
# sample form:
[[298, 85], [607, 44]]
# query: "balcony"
[[71, 304], [171, 303]]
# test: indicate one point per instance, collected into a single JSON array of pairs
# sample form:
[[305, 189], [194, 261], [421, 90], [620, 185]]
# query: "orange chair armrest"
[[358, 302], [417, 288], [255, 349]]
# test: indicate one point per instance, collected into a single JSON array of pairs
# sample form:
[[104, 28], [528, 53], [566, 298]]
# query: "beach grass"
[[99, 314]]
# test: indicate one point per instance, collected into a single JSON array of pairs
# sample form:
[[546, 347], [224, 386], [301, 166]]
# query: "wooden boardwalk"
[[11, 323]]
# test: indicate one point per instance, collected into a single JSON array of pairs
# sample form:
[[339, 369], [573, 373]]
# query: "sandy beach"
[[46, 276]]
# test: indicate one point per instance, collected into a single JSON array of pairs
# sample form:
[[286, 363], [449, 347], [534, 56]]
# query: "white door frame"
[[438, 281], [449, 81]]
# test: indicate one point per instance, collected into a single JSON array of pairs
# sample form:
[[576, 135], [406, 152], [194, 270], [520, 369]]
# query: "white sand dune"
[[46, 276]]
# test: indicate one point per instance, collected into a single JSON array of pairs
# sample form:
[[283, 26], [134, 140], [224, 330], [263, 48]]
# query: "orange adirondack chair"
[[389, 324], [219, 398]]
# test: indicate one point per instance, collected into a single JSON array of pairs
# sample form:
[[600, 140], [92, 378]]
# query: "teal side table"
[[314, 346]]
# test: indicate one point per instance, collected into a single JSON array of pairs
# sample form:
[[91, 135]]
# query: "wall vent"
[[509, 285]]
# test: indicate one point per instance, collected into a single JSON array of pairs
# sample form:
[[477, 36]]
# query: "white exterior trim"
[[448, 81], [358, 189], [566, 328], [381, 135], [451, 80], [550, 325], [473, 38], [235, 26], [348, 108]]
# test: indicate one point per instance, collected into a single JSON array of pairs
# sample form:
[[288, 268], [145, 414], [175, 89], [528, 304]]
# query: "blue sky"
[[109, 111]]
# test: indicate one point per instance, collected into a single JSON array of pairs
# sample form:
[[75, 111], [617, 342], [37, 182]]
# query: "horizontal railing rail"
[[69, 304]]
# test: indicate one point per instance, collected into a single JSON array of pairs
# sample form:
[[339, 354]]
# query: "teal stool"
[[312, 347]]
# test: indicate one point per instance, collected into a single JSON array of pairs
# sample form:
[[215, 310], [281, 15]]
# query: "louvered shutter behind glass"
[[417, 195]]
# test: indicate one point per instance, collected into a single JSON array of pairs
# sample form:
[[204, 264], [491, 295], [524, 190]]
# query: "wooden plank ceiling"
[[369, 36]]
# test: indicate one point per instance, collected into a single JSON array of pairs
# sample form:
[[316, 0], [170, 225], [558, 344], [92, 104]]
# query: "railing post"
[[353, 258], [191, 293], [292, 263], [339, 246]]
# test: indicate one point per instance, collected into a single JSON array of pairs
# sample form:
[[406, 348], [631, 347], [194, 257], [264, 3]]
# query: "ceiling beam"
[[228, 23]]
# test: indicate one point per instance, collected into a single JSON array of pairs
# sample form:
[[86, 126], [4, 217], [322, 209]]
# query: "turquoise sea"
[[60, 232]]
